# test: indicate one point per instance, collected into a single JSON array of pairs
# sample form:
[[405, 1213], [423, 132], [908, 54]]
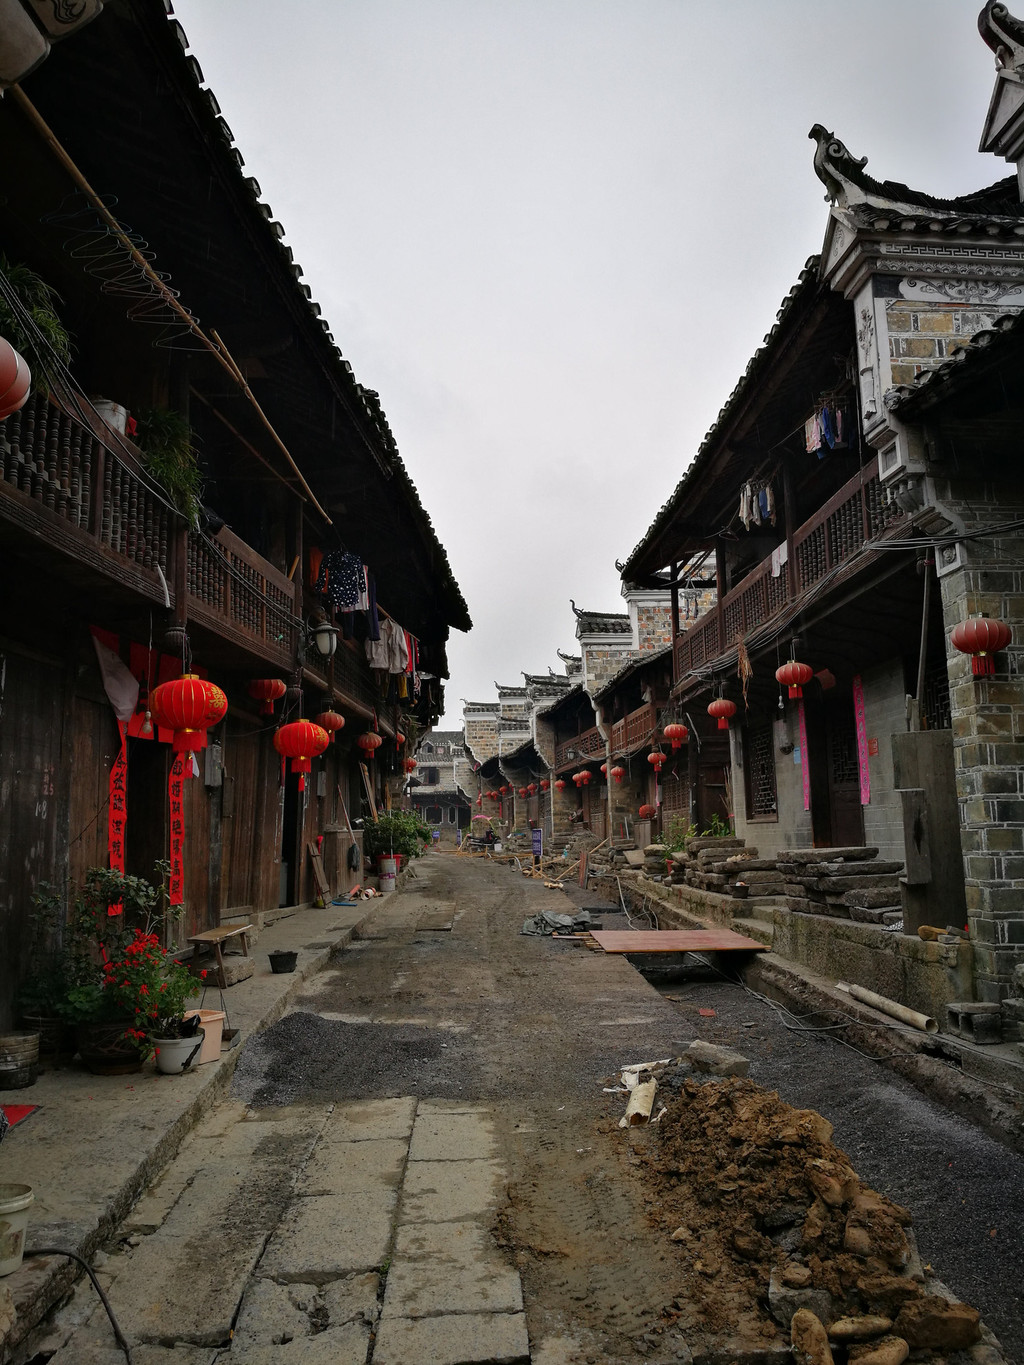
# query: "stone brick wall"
[[602, 662], [923, 335], [653, 627], [482, 731], [988, 734]]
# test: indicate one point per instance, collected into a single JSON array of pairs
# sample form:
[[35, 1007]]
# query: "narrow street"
[[418, 1162]]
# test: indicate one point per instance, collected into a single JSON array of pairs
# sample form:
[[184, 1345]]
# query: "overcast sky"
[[551, 233]]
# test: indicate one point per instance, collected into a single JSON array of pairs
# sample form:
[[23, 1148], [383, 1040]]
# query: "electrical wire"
[[74, 1256]]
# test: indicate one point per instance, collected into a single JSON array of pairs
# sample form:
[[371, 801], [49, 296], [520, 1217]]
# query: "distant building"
[[436, 793]]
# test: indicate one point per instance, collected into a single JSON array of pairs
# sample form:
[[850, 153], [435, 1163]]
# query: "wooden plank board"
[[675, 941], [323, 889]]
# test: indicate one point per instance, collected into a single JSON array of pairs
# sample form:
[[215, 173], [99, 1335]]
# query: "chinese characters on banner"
[[176, 804], [117, 809], [804, 764], [862, 741]]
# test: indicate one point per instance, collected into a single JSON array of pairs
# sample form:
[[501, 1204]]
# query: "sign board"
[[537, 842]]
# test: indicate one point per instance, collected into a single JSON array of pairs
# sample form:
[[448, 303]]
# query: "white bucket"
[[172, 1054], [387, 870], [114, 414], [14, 1202]]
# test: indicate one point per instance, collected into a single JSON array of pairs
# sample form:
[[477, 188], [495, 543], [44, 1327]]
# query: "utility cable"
[[74, 1256]]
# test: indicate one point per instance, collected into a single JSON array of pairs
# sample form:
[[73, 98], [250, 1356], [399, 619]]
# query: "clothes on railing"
[[757, 503], [344, 579]]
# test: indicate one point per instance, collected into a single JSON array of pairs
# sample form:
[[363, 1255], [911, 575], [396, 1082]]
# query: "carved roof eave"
[[1003, 131]]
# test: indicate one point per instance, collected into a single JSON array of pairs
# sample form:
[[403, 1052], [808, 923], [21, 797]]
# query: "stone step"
[[844, 869], [713, 841], [881, 898], [834, 886], [856, 854], [756, 929], [869, 915]]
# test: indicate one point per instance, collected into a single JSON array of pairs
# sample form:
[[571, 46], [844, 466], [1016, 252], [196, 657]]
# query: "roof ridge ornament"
[[1004, 35], [837, 168]]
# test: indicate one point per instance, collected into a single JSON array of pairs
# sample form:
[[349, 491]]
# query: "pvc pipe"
[[893, 1008]]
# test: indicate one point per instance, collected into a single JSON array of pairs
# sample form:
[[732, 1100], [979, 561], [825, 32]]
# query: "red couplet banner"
[[176, 804]]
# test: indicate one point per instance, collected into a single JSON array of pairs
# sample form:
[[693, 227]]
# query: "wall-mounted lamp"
[[323, 634]]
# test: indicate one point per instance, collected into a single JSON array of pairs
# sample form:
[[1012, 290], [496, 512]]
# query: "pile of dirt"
[[770, 1217]]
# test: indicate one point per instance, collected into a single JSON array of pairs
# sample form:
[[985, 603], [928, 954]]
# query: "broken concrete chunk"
[[888, 1293], [785, 1300], [809, 1339], [717, 1061]]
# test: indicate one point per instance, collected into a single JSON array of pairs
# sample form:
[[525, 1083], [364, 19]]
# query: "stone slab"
[[336, 1346], [371, 1120], [82, 1352], [348, 1167], [451, 1137], [443, 1191], [449, 1268], [325, 1236], [830, 855], [456, 1339], [274, 1313]]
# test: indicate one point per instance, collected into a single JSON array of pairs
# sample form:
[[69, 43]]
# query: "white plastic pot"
[[173, 1055], [14, 1205], [387, 870]]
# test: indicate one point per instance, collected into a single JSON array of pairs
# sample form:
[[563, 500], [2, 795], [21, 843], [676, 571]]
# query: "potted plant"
[[119, 981], [176, 1038], [396, 831], [166, 441]]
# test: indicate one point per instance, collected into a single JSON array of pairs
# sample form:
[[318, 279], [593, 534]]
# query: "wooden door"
[[846, 816]]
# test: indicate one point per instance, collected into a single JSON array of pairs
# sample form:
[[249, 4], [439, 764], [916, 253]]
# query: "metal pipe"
[[893, 1008]]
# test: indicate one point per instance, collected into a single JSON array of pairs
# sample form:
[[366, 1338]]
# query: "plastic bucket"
[[387, 870], [174, 1054], [14, 1204], [212, 1024], [19, 1059]]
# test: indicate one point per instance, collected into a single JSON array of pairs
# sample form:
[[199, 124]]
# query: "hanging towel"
[[780, 556], [812, 434]]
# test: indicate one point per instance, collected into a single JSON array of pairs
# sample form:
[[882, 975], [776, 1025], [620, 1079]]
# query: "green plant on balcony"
[[44, 341], [166, 441]]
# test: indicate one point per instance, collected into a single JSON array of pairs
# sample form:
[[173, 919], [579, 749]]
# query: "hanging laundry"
[[377, 651], [812, 434], [826, 428], [780, 556], [342, 578], [746, 506]]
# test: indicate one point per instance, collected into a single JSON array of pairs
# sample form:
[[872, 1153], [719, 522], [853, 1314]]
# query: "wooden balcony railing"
[[581, 747], [233, 590], [61, 466], [857, 512], [60, 480]]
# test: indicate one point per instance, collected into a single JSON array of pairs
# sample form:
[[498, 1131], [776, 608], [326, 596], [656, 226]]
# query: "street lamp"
[[325, 636]]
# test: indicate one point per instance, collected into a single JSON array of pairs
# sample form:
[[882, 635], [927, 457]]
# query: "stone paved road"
[[422, 1145]]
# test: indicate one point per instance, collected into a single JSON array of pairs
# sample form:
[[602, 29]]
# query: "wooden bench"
[[215, 939]]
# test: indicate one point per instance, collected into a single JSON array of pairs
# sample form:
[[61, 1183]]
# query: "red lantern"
[[656, 758], [532, 789], [399, 740], [369, 742], [301, 741], [618, 774], [560, 785], [503, 790], [189, 706], [677, 733], [544, 784], [15, 380], [586, 775], [479, 802], [794, 676], [410, 765], [267, 691], [578, 779], [522, 791], [647, 812], [330, 721], [981, 637], [604, 769], [723, 708]]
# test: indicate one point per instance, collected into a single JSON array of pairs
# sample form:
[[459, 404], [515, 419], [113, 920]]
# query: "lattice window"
[[762, 795], [843, 753], [935, 702]]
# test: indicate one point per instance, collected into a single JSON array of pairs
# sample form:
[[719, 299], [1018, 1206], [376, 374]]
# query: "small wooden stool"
[[214, 938]]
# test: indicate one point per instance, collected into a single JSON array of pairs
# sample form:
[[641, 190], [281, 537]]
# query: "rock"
[[934, 1323], [834, 1183], [8, 1312], [816, 1222], [681, 1234], [809, 1339], [719, 1061], [859, 1328], [874, 1234], [885, 1351], [805, 1125], [868, 1200], [887, 1293], [751, 1246], [795, 1275], [784, 1301], [783, 1216]]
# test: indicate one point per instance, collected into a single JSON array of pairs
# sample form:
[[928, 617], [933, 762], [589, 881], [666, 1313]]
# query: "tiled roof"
[[635, 664], [601, 622], [804, 289]]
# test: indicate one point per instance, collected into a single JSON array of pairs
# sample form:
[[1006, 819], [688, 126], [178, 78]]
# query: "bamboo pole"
[[215, 346]]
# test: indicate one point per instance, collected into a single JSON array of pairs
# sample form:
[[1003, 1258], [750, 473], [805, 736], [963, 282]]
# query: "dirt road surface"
[[535, 1028]]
